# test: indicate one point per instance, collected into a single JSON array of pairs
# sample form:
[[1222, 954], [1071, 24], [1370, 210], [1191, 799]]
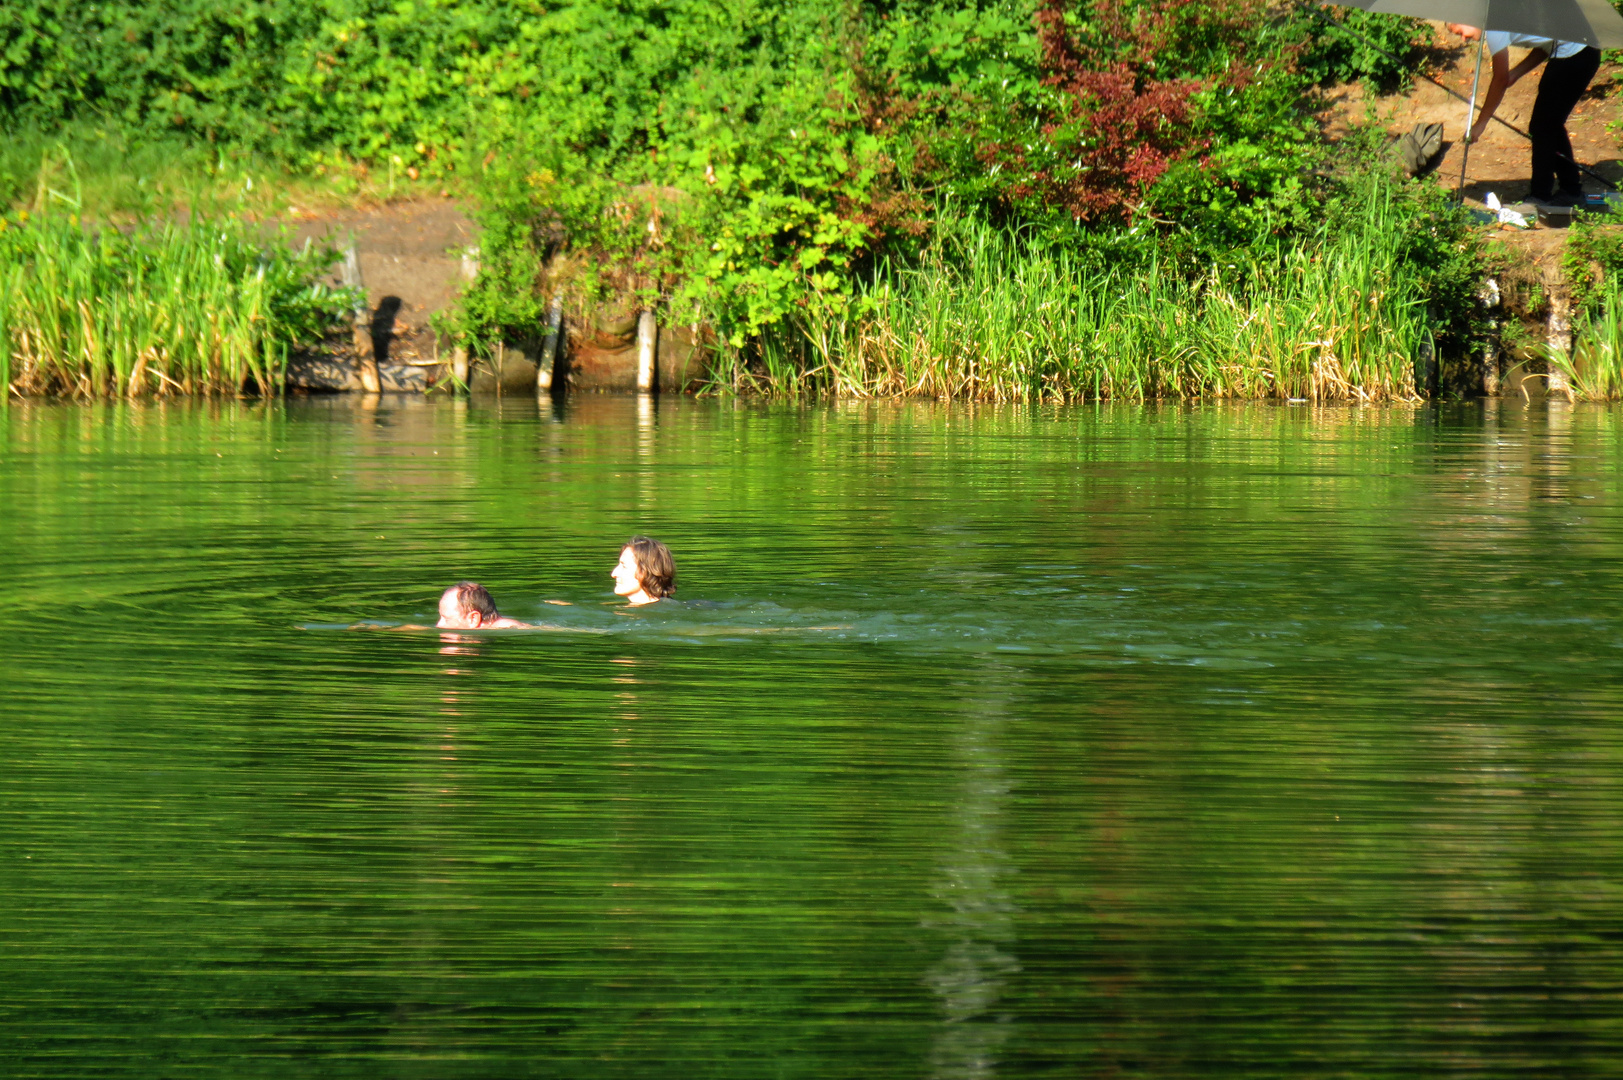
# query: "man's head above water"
[[468, 606]]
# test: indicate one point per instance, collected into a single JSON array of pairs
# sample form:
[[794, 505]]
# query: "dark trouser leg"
[[1560, 87]]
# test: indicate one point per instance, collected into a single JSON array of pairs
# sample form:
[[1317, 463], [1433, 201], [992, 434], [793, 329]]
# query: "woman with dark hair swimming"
[[645, 573]]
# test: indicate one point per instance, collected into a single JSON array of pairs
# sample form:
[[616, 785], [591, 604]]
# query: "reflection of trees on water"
[[978, 920]]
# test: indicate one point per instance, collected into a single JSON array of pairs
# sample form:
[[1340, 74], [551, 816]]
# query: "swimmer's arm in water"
[[557, 629], [729, 631], [503, 624], [388, 626]]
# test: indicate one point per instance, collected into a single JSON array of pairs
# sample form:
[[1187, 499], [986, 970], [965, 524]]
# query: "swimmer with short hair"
[[469, 606], [646, 573]]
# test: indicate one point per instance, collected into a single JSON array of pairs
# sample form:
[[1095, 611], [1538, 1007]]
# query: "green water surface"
[[1107, 741]]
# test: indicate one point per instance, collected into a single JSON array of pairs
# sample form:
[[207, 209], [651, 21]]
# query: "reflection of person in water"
[[469, 606], [645, 573]]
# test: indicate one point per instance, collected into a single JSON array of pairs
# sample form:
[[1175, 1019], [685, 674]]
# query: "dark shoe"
[[1562, 200]]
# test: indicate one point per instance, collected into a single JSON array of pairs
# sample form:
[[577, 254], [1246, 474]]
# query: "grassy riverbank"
[[204, 307], [1341, 315], [984, 198], [1108, 199], [106, 173]]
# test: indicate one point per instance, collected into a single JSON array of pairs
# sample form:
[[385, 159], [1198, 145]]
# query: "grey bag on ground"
[[1419, 146]]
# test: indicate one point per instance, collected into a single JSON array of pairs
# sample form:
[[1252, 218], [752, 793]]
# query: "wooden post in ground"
[[1559, 339], [647, 341], [365, 355], [1489, 297], [459, 355], [1490, 362], [549, 347]]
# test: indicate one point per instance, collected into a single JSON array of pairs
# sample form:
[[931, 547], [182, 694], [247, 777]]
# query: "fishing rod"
[[1471, 101]]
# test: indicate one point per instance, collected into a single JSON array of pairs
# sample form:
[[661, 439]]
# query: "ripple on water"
[[1217, 741]]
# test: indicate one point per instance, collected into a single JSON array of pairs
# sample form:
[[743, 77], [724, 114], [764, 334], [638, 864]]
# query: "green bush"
[[795, 172], [1592, 261], [752, 163], [202, 307], [1346, 45], [1351, 308]]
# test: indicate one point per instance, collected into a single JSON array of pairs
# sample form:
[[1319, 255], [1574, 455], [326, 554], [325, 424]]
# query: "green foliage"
[[161, 66], [201, 307], [1255, 183], [1433, 239], [749, 163], [406, 80], [110, 174], [1592, 260], [1339, 314], [776, 246], [1339, 40], [792, 168]]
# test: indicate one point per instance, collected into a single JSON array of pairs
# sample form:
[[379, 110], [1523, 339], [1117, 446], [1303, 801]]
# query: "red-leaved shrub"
[[1112, 123]]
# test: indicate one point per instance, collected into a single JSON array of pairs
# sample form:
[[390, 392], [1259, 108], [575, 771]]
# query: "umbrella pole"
[[1470, 116]]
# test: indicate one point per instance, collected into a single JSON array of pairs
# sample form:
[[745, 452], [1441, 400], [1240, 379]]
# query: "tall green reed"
[[1334, 316], [196, 307]]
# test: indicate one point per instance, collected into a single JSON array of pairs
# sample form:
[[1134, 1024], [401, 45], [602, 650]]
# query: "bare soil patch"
[[411, 259]]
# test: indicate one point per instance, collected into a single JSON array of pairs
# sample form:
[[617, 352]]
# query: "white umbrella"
[[1593, 22]]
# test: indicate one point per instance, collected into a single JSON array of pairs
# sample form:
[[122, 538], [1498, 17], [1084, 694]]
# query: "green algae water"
[[1163, 741]]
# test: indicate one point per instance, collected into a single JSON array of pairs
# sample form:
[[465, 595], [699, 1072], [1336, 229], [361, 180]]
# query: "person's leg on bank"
[[1559, 88]]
